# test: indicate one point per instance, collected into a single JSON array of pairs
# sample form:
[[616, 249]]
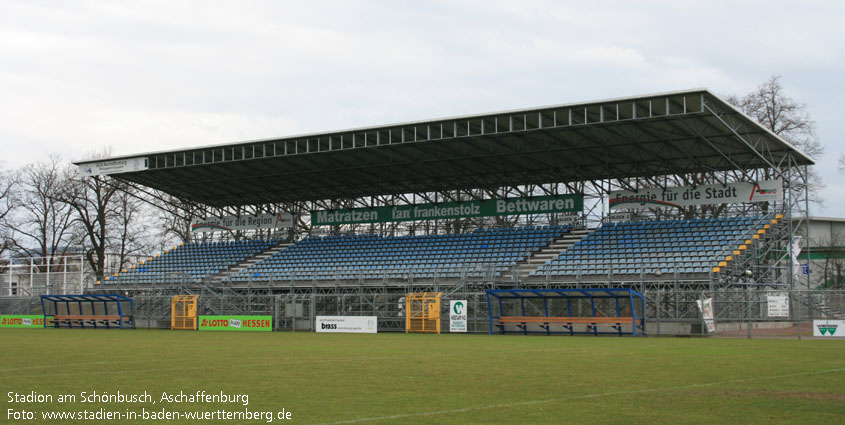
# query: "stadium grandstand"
[[642, 190]]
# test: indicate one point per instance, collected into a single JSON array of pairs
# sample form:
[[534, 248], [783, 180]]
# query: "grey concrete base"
[[740, 326], [697, 329], [671, 328]]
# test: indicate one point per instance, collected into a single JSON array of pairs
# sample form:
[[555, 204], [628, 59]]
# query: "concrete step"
[[550, 252], [267, 253]]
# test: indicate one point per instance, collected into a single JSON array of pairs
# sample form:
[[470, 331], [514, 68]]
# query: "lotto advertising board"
[[236, 323], [27, 321]]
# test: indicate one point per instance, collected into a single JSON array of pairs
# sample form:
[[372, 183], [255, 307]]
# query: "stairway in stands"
[[219, 277], [552, 251]]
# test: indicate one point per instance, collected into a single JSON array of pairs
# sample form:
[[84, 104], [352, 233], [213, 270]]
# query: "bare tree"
[[834, 259], [128, 220], [787, 118], [106, 211], [42, 225], [176, 216], [90, 198], [6, 206]]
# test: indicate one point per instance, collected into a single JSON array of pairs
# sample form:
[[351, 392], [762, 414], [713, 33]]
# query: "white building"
[[826, 252]]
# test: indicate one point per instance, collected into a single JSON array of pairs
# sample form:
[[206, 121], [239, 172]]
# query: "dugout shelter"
[[580, 311], [96, 311]]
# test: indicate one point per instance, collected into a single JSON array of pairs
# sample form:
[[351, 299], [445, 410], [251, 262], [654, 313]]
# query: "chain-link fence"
[[737, 312], [743, 312]]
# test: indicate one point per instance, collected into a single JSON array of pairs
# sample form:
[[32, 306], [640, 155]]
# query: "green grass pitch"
[[427, 379]]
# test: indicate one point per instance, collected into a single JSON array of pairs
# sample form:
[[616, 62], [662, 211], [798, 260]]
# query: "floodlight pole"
[[64, 275], [748, 309], [790, 272], [807, 222], [31, 267]]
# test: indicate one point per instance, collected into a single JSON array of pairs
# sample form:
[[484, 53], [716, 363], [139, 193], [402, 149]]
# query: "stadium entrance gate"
[[184, 312], [422, 312]]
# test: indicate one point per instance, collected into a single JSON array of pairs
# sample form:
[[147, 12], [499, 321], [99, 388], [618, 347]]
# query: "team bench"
[[80, 311], [567, 323], [92, 320]]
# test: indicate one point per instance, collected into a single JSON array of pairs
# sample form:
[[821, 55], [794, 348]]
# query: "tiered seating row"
[[423, 257], [690, 246], [197, 260]]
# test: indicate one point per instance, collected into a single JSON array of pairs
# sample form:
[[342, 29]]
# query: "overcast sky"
[[148, 75]]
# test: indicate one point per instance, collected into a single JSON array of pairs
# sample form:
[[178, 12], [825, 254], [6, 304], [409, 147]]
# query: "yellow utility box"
[[183, 312], [422, 312]]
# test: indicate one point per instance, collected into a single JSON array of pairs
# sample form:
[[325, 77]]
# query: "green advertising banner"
[[32, 321], [450, 210], [236, 323]]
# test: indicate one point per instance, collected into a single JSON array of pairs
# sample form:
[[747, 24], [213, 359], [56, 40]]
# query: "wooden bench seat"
[[90, 320], [569, 324], [75, 317]]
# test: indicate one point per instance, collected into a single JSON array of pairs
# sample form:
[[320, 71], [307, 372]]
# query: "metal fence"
[[34, 276], [737, 312]]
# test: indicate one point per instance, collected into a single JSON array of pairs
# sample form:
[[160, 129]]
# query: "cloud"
[[142, 76]]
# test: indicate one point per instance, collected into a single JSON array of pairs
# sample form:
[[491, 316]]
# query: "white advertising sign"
[[778, 305], [615, 217], [706, 307], [458, 315], [567, 219], [347, 324], [797, 268], [114, 166], [829, 328], [768, 190], [244, 222]]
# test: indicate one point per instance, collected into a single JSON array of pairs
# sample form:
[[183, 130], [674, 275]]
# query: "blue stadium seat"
[[691, 246]]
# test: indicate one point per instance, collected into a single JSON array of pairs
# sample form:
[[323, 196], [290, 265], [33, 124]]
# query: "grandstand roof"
[[669, 133]]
